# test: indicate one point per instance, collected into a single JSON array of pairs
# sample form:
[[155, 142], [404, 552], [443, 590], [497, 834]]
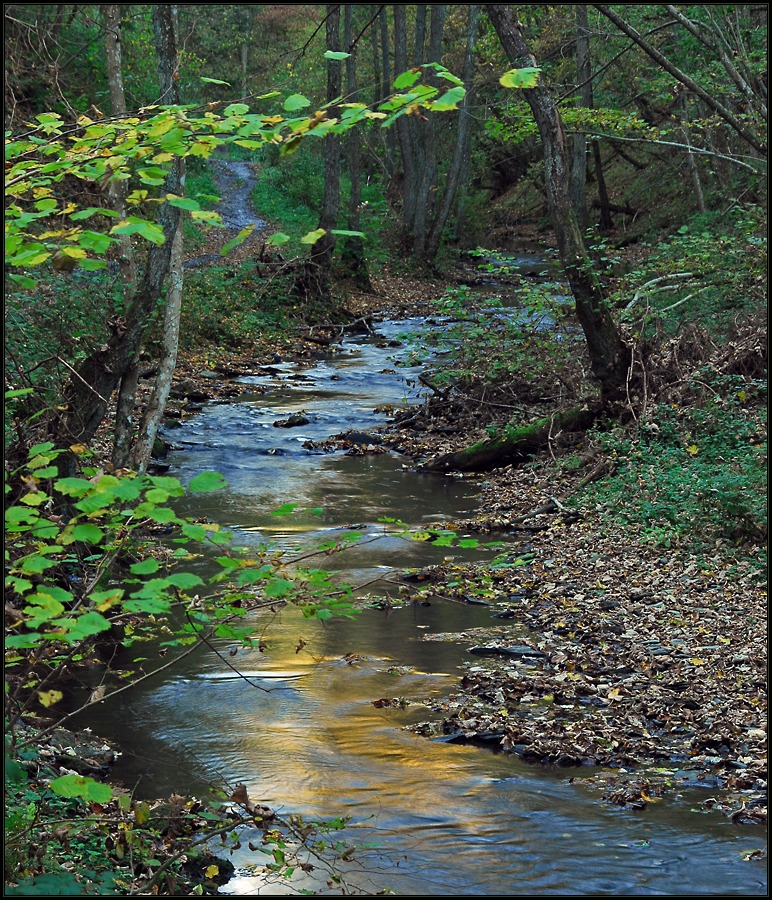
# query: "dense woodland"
[[393, 147]]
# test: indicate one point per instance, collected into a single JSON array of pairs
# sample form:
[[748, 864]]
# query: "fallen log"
[[514, 444]]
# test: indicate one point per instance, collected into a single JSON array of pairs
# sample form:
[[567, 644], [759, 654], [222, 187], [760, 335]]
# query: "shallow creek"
[[440, 819]]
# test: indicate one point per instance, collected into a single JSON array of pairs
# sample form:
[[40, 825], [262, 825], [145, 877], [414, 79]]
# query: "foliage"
[[695, 473], [525, 341], [41, 226], [711, 269]]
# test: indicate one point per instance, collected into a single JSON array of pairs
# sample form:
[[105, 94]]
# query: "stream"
[[432, 818], [438, 818]]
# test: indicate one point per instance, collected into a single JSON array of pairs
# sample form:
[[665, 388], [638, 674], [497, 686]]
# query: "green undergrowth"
[[232, 305], [528, 348], [711, 270], [290, 193], [693, 475]]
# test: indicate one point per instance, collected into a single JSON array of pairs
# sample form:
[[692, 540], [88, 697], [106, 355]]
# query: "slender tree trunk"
[[406, 146], [424, 139], [118, 191], [579, 164], [579, 167], [604, 342], [165, 32], [694, 172], [86, 396], [463, 137], [315, 279], [353, 252], [389, 137], [378, 81]]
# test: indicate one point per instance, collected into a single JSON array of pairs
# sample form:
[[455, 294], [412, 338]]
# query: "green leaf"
[[147, 230], [91, 265], [313, 236], [285, 509], [277, 239], [91, 211], [295, 102], [82, 786], [21, 392], [87, 532], [206, 482], [236, 109], [407, 79], [343, 233], [449, 100], [336, 54], [183, 202], [146, 567], [185, 580], [28, 284], [95, 241], [527, 77], [239, 239], [163, 515], [35, 565], [87, 624], [213, 80], [73, 487], [278, 587]]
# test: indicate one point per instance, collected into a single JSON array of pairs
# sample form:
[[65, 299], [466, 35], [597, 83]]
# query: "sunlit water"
[[302, 732]]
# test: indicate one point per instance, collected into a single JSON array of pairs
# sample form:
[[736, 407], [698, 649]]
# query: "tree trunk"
[[86, 396], [584, 75], [353, 257], [118, 191], [579, 167], [314, 283], [389, 137], [407, 150], [694, 172], [514, 444], [463, 137], [604, 342], [425, 142], [165, 31]]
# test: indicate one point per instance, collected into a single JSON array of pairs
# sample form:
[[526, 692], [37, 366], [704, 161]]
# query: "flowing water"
[[303, 734]]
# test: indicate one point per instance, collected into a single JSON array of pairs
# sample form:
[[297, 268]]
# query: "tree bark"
[[86, 396], [694, 172], [389, 137], [314, 282], [118, 191], [353, 257], [579, 167], [604, 342], [406, 147], [463, 137], [424, 139], [165, 32]]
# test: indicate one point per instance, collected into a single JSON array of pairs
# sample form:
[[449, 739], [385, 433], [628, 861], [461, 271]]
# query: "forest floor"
[[638, 663]]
